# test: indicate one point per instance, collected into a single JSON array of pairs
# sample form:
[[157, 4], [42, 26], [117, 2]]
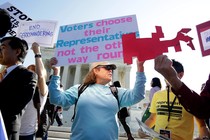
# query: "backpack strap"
[[81, 88], [115, 93]]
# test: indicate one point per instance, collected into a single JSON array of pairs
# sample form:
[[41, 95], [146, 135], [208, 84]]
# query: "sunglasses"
[[107, 67]]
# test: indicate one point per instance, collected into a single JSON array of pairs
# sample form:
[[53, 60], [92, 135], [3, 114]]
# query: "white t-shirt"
[[29, 122]]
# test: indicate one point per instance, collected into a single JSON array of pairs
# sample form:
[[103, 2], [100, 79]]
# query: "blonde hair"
[[90, 78], [32, 67]]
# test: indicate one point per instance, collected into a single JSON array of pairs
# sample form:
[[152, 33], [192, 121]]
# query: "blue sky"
[[171, 15]]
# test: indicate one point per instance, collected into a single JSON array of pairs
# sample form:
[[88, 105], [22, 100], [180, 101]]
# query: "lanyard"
[[170, 107]]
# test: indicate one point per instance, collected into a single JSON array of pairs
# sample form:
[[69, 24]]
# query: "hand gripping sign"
[[149, 48]]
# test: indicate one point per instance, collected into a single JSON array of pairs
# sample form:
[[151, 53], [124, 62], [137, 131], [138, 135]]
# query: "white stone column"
[[65, 75], [77, 74], [127, 77], [115, 75]]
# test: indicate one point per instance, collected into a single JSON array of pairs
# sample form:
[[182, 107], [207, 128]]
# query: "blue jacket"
[[96, 109]]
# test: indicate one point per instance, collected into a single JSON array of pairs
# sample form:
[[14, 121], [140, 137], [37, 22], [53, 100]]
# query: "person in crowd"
[[170, 117], [59, 115], [122, 115], [96, 108], [54, 112], [5, 26], [49, 114], [17, 86], [155, 86], [6, 23], [206, 120], [50, 108], [30, 118], [196, 104]]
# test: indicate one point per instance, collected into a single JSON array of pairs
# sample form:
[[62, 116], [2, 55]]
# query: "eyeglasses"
[[107, 67]]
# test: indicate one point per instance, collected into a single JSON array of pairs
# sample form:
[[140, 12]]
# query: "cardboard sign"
[[93, 41], [42, 32], [150, 132], [16, 16], [149, 48], [203, 31]]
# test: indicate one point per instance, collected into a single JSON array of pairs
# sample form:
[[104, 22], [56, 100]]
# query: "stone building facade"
[[74, 74]]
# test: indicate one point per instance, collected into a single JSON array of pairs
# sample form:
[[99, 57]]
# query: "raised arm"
[[56, 69], [40, 69], [163, 65], [140, 65], [198, 105]]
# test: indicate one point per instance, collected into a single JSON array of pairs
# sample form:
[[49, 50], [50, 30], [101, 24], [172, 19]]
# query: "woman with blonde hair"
[[96, 108]]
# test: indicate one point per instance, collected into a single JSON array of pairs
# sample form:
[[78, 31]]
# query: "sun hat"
[[104, 63]]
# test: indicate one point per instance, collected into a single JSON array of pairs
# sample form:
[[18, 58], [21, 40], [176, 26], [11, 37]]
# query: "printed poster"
[[150, 132], [93, 41], [203, 31], [42, 32]]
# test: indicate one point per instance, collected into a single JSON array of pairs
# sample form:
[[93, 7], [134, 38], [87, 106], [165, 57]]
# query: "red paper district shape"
[[149, 48]]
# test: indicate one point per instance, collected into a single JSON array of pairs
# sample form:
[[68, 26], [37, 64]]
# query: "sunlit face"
[[8, 56], [103, 74]]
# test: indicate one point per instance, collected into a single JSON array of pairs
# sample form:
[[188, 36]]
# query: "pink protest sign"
[[203, 31], [149, 48], [93, 41]]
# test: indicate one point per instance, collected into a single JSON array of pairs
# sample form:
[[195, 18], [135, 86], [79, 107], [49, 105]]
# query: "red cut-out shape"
[[149, 48]]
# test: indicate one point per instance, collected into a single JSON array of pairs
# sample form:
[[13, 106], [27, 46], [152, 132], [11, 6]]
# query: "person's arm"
[[128, 97], [198, 105], [150, 122], [40, 69], [163, 65], [56, 69], [55, 78], [58, 96], [140, 65], [202, 129]]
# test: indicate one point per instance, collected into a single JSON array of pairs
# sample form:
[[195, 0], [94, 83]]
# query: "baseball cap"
[[105, 63]]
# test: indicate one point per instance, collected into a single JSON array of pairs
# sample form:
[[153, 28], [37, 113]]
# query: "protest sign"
[[203, 31], [150, 132], [149, 48], [3, 134], [42, 32], [16, 16], [93, 41]]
